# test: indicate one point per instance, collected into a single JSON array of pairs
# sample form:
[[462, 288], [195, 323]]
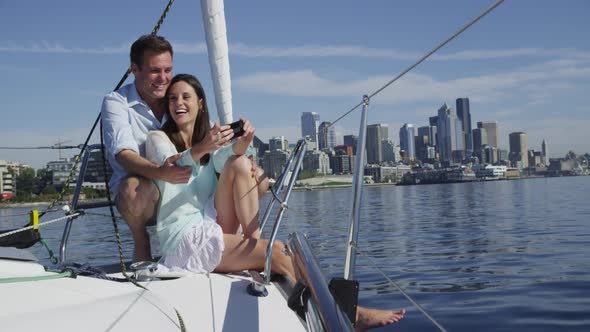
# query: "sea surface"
[[485, 256]]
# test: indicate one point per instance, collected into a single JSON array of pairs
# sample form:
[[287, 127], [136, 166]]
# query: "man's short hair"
[[153, 43]]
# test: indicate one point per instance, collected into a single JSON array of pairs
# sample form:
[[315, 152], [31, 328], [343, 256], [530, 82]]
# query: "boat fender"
[[298, 299], [346, 293]]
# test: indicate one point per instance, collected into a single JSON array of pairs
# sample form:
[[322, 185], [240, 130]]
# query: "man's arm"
[[168, 171]]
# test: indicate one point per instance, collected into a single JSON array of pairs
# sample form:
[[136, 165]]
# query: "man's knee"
[[137, 196]]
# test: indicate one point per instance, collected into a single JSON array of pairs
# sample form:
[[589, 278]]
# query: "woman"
[[198, 221]]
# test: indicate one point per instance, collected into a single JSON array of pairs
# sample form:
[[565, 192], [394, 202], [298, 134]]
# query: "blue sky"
[[525, 65]]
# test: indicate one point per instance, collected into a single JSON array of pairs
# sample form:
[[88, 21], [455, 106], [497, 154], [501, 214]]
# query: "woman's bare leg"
[[249, 254], [236, 198]]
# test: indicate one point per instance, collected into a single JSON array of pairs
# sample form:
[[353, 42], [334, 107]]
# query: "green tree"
[[25, 182], [49, 190]]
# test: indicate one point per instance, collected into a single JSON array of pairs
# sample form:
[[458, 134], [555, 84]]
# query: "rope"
[[465, 27], [400, 289], [27, 213], [65, 274], [40, 147], [40, 224]]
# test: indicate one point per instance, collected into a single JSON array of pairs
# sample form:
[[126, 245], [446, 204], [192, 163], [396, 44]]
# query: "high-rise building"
[[464, 114], [351, 140], [326, 136], [388, 150], [518, 149], [310, 122], [407, 141], [375, 134], [278, 143], [491, 128], [544, 151], [447, 133]]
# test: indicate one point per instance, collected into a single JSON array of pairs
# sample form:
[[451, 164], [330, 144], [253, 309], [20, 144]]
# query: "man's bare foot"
[[369, 318]]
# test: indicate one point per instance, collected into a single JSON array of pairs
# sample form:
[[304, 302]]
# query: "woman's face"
[[183, 103]]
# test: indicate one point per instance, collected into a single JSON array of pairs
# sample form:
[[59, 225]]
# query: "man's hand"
[[171, 173]]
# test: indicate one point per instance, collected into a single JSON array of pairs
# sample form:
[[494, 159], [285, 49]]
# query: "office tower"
[[326, 136], [480, 139], [545, 157], [351, 140], [518, 149], [464, 114], [388, 150], [491, 128], [407, 140], [310, 121], [433, 120], [375, 134], [278, 143], [447, 133]]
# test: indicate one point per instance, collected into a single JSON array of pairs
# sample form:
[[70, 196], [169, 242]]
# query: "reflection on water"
[[498, 256]]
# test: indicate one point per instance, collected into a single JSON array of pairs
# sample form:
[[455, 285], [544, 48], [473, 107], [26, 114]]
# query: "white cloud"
[[48, 47]]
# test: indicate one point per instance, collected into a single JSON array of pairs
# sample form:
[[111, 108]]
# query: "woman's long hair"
[[202, 124]]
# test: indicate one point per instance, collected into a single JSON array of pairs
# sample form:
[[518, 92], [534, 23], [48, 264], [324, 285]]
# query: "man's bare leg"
[[136, 201], [370, 318]]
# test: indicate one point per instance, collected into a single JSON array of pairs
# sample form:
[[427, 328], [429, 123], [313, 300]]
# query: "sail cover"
[[216, 35]]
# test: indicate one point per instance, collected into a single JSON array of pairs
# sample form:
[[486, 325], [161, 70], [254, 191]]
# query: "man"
[[128, 114]]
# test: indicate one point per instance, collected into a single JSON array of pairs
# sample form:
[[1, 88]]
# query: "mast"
[[217, 49]]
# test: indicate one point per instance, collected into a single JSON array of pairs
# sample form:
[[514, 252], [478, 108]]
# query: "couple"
[[169, 177]]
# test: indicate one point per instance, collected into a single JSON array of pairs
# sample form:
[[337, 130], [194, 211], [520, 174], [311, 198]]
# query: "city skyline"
[[525, 65]]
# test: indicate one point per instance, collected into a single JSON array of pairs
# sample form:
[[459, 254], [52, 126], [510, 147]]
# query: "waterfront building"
[[407, 140], [260, 148], [545, 156], [326, 136], [310, 122], [351, 140], [274, 161], [342, 163], [375, 134], [8, 173], [464, 114], [502, 155], [317, 161], [518, 149], [381, 173], [60, 170], [489, 155]]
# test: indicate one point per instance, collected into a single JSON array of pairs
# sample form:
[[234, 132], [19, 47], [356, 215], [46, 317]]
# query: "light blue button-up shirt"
[[126, 121]]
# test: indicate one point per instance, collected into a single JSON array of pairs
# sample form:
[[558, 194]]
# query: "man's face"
[[155, 74]]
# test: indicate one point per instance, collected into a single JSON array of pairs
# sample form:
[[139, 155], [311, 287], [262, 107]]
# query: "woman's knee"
[[240, 165]]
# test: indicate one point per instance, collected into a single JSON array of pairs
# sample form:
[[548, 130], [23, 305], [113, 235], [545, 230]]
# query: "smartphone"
[[238, 128]]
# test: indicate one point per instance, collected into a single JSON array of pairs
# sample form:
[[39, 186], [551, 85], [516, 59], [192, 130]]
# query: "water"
[[488, 256]]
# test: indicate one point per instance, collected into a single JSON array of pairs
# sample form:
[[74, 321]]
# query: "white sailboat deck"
[[213, 302]]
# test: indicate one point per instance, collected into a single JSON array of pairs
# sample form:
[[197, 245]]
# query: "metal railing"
[[325, 308], [75, 205], [257, 286], [357, 188]]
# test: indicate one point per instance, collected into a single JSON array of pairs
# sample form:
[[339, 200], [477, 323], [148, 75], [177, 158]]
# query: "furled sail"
[[216, 35]]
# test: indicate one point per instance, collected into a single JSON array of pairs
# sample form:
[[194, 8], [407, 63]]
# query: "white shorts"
[[201, 248]]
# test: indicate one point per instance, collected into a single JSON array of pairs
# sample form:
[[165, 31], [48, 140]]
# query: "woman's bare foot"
[[369, 318]]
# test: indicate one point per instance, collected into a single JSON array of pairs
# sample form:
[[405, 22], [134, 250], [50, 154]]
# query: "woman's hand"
[[216, 138], [242, 142]]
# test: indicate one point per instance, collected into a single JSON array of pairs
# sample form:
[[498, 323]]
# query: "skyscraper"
[[518, 149], [310, 122], [326, 136], [351, 140], [464, 114], [545, 157], [375, 134], [448, 133], [406, 140], [491, 128]]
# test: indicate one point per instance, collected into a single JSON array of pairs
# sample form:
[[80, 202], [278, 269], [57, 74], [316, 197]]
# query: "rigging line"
[[465, 27], [40, 147], [399, 288], [40, 224]]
